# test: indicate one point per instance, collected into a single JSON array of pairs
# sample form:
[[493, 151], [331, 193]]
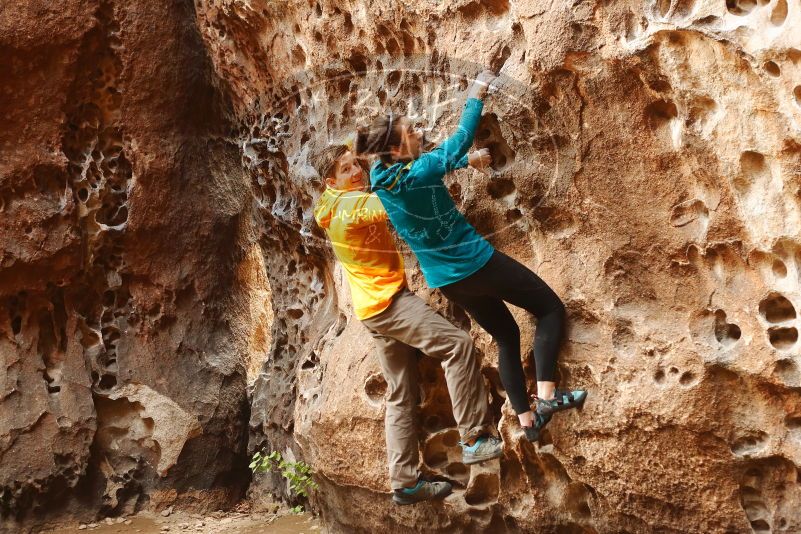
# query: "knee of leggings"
[[509, 336], [557, 310]]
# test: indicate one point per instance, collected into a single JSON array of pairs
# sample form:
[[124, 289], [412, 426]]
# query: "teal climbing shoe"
[[485, 448], [422, 491], [533, 432], [563, 400]]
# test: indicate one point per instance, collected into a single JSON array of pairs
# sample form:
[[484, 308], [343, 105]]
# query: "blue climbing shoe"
[[563, 400], [424, 490], [485, 448], [533, 432]]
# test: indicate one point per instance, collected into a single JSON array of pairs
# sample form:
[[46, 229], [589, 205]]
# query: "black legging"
[[482, 294]]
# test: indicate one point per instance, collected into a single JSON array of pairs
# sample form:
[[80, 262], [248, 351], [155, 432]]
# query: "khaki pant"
[[409, 324]]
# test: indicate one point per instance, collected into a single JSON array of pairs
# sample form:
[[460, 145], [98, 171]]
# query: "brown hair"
[[325, 160], [378, 136]]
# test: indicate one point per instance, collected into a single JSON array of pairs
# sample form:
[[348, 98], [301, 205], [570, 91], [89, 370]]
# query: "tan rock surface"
[[648, 167], [119, 225], [155, 191]]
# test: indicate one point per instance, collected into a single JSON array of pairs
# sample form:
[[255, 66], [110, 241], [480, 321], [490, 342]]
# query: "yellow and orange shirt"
[[356, 224]]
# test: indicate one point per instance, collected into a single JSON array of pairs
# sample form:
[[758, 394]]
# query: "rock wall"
[[155, 191], [647, 166], [122, 223]]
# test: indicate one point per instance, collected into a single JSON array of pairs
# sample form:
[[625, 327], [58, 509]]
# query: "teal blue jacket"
[[423, 213]]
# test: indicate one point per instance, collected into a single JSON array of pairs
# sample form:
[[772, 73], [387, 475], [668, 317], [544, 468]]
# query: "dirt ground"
[[283, 522]]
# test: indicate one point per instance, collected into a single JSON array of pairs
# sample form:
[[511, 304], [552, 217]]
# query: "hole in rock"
[[496, 7], [779, 269], [483, 489], [660, 113], [491, 137], [576, 501], [782, 338], [659, 376], [775, 308], [455, 190], [432, 423], [793, 423], [684, 8], [83, 194], [393, 78], [687, 378], [408, 43], [107, 382], [393, 47], [456, 469], [154, 311], [109, 297], [708, 20], [797, 94], [663, 7], [375, 387], [474, 10], [700, 110], [760, 525], [688, 211], [499, 160], [749, 444], [500, 188], [753, 166], [727, 334], [450, 439], [436, 458], [772, 68], [501, 56], [435, 451], [513, 215], [753, 505], [357, 62], [779, 13], [16, 324], [740, 7]]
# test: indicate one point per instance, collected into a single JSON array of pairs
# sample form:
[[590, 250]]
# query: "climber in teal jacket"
[[447, 247], [457, 259]]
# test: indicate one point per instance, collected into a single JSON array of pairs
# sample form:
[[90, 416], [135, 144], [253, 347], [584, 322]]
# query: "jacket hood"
[[381, 176]]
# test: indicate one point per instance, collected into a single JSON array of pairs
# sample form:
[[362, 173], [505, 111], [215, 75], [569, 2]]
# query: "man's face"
[[348, 174]]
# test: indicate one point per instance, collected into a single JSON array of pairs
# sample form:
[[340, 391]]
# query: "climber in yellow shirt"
[[400, 323]]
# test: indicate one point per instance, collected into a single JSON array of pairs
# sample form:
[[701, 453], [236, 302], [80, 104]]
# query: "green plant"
[[299, 474]]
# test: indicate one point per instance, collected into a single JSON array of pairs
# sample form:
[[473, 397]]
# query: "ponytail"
[[378, 136]]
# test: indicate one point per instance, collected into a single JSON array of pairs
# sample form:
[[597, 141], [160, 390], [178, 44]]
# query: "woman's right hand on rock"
[[481, 84]]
